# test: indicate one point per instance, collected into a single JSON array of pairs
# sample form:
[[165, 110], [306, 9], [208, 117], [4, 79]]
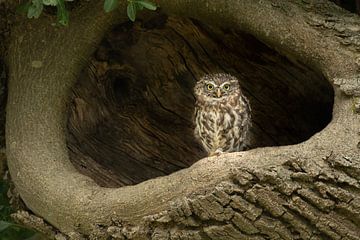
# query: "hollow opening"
[[131, 114], [3, 100]]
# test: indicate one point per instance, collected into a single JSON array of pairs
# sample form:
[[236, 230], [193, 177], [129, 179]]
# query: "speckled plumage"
[[222, 114]]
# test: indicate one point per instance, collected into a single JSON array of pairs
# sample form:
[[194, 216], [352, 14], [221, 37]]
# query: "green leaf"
[[131, 11], [23, 8], [50, 2], [110, 5], [5, 209], [17, 232], [4, 225], [35, 9], [36, 236], [147, 4], [62, 13], [138, 6]]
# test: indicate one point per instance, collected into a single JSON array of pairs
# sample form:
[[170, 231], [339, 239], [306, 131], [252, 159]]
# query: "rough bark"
[[309, 190]]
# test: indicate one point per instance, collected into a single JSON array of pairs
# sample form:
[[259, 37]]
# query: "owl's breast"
[[218, 121], [221, 126]]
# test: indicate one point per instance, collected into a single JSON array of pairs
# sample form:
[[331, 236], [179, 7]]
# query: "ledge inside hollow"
[[131, 111]]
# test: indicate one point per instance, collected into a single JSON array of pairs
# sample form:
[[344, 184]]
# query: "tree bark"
[[304, 191]]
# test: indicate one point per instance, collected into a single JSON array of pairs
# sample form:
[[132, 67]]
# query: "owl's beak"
[[218, 93]]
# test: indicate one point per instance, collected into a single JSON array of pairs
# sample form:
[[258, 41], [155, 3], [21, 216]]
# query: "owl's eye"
[[226, 87], [209, 87]]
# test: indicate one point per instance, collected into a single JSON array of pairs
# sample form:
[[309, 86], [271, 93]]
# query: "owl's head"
[[216, 87]]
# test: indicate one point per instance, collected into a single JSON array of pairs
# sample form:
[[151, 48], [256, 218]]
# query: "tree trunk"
[[305, 191]]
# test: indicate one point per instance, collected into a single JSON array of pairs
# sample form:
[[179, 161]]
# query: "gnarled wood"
[[289, 191]]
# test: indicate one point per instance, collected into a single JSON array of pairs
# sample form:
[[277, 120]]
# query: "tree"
[[308, 190]]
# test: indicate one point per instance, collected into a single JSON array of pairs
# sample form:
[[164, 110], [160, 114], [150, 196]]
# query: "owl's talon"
[[217, 153]]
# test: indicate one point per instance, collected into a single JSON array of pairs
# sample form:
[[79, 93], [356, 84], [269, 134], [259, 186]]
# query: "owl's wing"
[[245, 121]]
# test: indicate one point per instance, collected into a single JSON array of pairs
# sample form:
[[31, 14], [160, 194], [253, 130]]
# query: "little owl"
[[222, 114]]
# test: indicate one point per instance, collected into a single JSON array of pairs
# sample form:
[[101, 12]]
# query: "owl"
[[222, 114]]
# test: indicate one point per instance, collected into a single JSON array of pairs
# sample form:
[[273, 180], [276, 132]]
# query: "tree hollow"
[[131, 113]]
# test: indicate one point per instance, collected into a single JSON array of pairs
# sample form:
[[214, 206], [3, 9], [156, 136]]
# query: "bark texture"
[[304, 191]]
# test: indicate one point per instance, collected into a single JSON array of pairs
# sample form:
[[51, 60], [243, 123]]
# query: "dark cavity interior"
[[131, 113]]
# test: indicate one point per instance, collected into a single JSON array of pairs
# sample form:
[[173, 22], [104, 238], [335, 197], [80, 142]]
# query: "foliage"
[[8, 229], [132, 8], [34, 8]]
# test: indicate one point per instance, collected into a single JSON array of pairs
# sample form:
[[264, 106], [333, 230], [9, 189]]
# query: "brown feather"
[[221, 123]]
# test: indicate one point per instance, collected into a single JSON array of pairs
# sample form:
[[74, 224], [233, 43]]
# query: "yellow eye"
[[226, 87], [209, 86]]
